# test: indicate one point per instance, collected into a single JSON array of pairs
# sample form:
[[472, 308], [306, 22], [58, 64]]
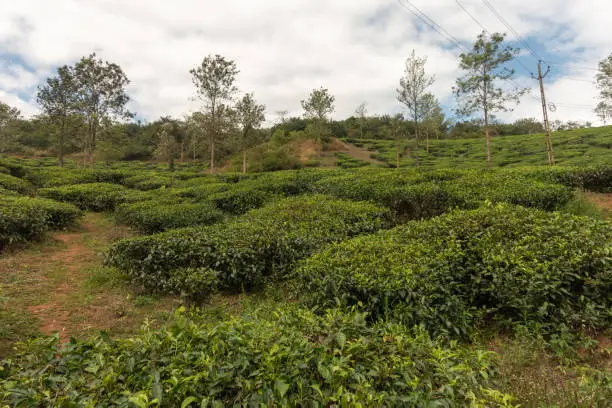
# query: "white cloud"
[[356, 48]]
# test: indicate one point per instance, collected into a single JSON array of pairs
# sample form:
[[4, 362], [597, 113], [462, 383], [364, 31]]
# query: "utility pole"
[[549, 148]]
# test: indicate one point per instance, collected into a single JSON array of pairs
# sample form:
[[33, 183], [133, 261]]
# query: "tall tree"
[[432, 116], [250, 116], [214, 80], [361, 112], [8, 117], [479, 89], [413, 89], [603, 110], [166, 143], [57, 99], [317, 107], [603, 79], [101, 96]]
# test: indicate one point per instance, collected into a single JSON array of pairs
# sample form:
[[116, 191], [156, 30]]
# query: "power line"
[[471, 16], [428, 21], [509, 27], [559, 64]]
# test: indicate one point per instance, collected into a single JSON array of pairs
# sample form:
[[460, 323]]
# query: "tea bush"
[[273, 357], [597, 178], [240, 199], [461, 270], [25, 218], [158, 215], [95, 196], [418, 195], [148, 181], [246, 251], [9, 182]]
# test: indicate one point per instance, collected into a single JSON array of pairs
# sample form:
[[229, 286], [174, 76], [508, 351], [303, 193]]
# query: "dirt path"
[[360, 154], [603, 201], [60, 285]]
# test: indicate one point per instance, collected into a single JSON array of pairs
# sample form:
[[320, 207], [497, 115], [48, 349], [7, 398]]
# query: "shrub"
[[25, 218], [590, 178], [248, 250], [240, 199], [56, 176], [94, 196], [148, 181], [416, 195], [459, 271], [156, 216], [274, 357], [13, 183]]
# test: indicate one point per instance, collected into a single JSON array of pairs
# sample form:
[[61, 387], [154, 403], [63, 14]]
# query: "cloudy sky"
[[283, 49]]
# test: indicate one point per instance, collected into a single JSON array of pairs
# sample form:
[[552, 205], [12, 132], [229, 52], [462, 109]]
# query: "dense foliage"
[[463, 270], [156, 216], [94, 196], [287, 357], [243, 252], [25, 218]]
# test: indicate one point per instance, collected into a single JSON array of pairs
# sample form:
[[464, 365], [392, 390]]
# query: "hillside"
[[577, 147]]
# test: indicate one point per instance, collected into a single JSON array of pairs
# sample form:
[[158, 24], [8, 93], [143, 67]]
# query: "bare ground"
[[59, 285]]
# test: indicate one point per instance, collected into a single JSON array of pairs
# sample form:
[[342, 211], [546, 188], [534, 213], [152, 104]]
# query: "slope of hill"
[[577, 147]]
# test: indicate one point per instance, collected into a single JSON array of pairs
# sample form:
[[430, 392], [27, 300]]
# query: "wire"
[[471, 16], [428, 21], [487, 31], [573, 66], [509, 27]]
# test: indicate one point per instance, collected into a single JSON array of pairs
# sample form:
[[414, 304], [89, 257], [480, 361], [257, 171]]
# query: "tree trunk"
[[488, 139], [244, 161], [427, 140], [61, 142], [361, 128], [212, 141], [93, 145], [2, 144], [397, 155], [182, 151]]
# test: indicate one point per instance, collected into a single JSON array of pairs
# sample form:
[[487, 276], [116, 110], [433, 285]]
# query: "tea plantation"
[[364, 287]]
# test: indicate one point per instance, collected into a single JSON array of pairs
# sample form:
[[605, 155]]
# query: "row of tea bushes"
[[12, 183], [243, 252], [275, 357], [95, 196], [158, 215], [419, 195], [463, 270], [597, 178], [26, 218]]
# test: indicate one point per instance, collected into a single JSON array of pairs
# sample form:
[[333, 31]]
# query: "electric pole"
[[549, 148]]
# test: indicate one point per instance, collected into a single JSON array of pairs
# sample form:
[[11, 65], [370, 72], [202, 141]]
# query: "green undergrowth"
[[498, 266], [26, 218], [271, 357], [246, 251]]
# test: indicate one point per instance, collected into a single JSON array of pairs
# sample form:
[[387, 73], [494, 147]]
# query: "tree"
[[282, 115], [603, 110], [214, 81], [603, 79], [478, 90], [166, 144], [100, 97], [57, 99], [8, 117], [413, 87], [361, 112], [432, 116], [319, 104], [250, 116]]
